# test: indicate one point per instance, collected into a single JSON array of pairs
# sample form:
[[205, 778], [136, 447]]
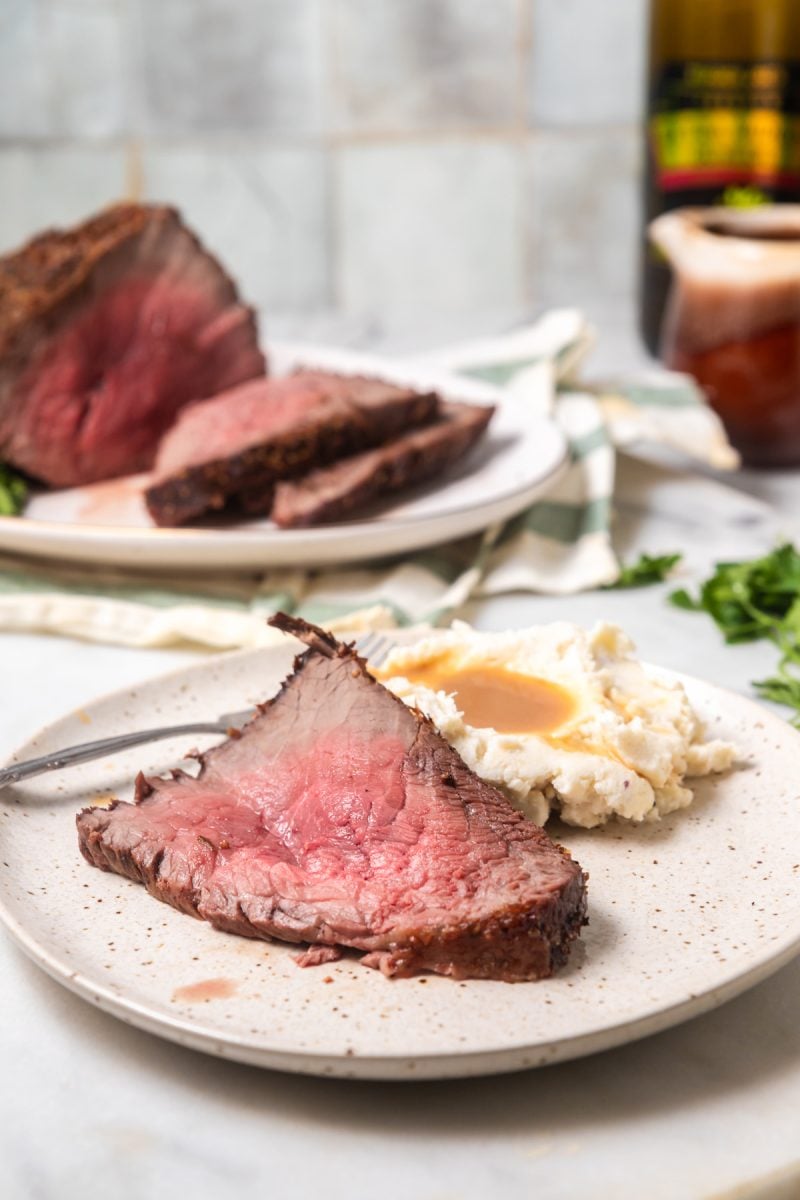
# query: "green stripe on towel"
[[563, 522]]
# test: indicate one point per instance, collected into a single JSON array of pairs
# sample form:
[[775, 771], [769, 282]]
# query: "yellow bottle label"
[[719, 125]]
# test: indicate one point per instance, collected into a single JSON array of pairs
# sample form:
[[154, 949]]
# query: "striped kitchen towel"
[[560, 544]]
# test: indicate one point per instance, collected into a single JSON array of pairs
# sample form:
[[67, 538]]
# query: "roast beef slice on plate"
[[334, 492], [231, 449], [339, 817], [106, 331]]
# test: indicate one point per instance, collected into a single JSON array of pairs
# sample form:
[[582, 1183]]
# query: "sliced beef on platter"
[[224, 451], [221, 425], [106, 331], [339, 817], [331, 493]]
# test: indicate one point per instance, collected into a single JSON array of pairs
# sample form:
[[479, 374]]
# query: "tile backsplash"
[[402, 169]]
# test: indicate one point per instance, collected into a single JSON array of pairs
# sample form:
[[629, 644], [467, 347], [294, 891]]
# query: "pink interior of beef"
[[101, 391], [235, 419], [340, 824]]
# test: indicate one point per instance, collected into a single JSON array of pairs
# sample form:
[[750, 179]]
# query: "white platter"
[[684, 914], [517, 460]]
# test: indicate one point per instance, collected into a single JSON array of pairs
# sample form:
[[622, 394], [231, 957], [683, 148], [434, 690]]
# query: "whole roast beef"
[[340, 818], [334, 492], [106, 331], [231, 449]]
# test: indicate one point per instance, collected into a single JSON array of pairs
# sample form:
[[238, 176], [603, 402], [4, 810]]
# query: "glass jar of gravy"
[[733, 320]]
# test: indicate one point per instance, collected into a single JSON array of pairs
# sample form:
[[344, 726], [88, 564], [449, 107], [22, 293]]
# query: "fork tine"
[[374, 647], [368, 644]]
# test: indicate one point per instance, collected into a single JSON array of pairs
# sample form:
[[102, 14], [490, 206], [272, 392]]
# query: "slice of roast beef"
[[331, 493], [222, 449], [106, 331], [223, 424], [339, 817]]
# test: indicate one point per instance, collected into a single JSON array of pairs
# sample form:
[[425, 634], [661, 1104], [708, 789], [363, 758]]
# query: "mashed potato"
[[621, 744]]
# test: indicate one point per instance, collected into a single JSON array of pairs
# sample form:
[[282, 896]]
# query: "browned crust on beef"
[[331, 493], [317, 639], [56, 266], [514, 945], [96, 851], [339, 428]]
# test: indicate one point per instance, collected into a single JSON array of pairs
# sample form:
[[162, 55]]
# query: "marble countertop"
[[90, 1107]]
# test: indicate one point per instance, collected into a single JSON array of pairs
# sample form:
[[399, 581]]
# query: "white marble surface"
[[92, 1108]]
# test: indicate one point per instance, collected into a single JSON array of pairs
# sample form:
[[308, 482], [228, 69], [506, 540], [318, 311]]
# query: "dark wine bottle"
[[723, 117]]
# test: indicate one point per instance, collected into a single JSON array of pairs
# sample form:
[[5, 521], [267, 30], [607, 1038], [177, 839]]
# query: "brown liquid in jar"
[[733, 321], [754, 386]]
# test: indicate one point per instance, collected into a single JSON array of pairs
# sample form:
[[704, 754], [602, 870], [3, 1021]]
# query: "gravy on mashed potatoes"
[[562, 719]]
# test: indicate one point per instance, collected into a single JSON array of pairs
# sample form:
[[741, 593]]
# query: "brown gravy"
[[754, 385], [496, 697]]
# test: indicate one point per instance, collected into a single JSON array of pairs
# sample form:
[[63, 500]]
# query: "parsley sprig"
[[759, 598], [13, 492], [646, 570]]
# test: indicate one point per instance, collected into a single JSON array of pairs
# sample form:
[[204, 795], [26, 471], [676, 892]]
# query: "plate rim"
[[389, 1067], [32, 536], [423, 1066]]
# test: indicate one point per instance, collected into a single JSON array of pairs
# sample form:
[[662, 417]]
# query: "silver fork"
[[372, 646], [86, 751]]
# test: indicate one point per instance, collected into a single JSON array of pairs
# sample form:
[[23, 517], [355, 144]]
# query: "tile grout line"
[[334, 251], [237, 141], [528, 241]]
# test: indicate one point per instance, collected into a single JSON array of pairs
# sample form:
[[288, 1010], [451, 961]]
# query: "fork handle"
[[86, 751]]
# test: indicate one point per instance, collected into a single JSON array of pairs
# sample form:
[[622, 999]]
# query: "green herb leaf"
[[646, 570], [751, 599], [13, 492], [682, 599], [779, 689], [759, 598]]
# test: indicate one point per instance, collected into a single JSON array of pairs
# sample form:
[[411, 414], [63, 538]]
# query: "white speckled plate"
[[684, 915], [520, 457]]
